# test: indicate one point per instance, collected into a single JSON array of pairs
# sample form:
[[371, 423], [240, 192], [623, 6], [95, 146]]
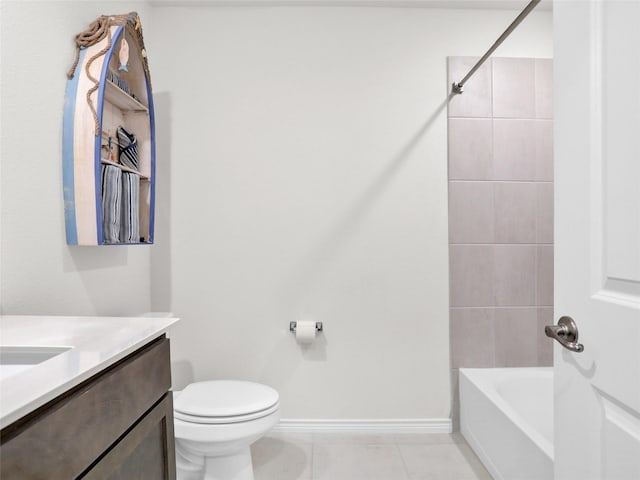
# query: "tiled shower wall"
[[500, 214]]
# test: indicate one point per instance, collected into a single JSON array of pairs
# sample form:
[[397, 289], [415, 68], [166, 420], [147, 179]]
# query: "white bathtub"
[[506, 416]]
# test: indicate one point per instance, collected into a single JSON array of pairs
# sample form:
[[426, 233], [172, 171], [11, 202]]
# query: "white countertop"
[[97, 343]]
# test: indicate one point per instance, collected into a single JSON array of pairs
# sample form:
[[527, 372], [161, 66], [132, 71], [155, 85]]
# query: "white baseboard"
[[365, 426]]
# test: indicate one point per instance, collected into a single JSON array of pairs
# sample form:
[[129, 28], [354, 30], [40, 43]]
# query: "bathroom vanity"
[[85, 397]]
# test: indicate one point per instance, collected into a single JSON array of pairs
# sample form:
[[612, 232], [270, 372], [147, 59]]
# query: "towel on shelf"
[[128, 148], [111, 198], [130, 221]]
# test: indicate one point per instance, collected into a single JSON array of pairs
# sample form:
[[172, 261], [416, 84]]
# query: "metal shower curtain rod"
[[458, 87]]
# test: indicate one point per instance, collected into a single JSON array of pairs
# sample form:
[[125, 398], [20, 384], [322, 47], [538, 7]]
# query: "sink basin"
[[14, 359]]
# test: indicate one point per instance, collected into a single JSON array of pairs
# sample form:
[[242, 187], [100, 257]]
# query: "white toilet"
[[216, 422]]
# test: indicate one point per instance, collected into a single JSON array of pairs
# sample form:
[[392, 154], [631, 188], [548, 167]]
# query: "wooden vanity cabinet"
[[117, 425]]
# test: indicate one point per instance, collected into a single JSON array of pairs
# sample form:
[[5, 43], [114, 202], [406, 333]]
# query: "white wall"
[[40, 274], [306, 148], [302, 172]]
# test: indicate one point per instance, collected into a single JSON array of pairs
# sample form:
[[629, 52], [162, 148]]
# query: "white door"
[[597, 158]]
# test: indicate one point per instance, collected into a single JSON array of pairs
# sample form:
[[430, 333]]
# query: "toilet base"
[[229, 467], [236, 466], [219, 451]]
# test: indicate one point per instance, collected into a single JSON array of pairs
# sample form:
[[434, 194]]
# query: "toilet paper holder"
[[293, 325]]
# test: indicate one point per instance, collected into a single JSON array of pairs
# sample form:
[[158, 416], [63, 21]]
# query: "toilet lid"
[[225, 398]]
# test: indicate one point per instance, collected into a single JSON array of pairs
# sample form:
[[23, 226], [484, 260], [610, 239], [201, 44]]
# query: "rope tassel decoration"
[[99, 30]]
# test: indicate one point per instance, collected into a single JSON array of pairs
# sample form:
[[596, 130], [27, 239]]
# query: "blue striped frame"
[[71, 228], [68, 186]]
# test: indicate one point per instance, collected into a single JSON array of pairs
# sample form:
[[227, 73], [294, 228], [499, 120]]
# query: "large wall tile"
[[545, 344], [514, 149], [544, 150], [516, 337], [501, 162], [514, 88], [544, 214], [471, 274], [455, 399], [544, 275], [544, 87], [470, 148], [471, 212], [514, 275], [472, 337], [515, 212], [476, 99]]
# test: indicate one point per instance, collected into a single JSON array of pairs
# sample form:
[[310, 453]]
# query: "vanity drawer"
[[146, 452], [63, 438]]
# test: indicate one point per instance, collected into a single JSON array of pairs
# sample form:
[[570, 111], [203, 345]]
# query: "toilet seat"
[[223, 420], [225, 402]]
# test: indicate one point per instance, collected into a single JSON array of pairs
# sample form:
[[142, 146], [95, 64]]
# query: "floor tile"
[[351, 439], [442, 462], [357, 462], [280, 459], [428, 438], [298, 438], [474, 462], [437, 456]]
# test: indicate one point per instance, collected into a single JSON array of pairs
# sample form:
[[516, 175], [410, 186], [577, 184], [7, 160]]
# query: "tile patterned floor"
[[365, 457]]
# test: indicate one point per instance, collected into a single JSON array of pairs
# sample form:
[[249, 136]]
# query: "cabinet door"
[[146, 452], [62, 439]]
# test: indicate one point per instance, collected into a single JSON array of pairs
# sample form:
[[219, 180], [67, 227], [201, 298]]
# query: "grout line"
[[491, 90], [312, 475], [533, 119], [488, 180], [536, 262], [492, 165], [527, 245], [404, 462], [501, 307]]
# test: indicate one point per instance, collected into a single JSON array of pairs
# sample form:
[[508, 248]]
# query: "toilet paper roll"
[[305, 332]]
